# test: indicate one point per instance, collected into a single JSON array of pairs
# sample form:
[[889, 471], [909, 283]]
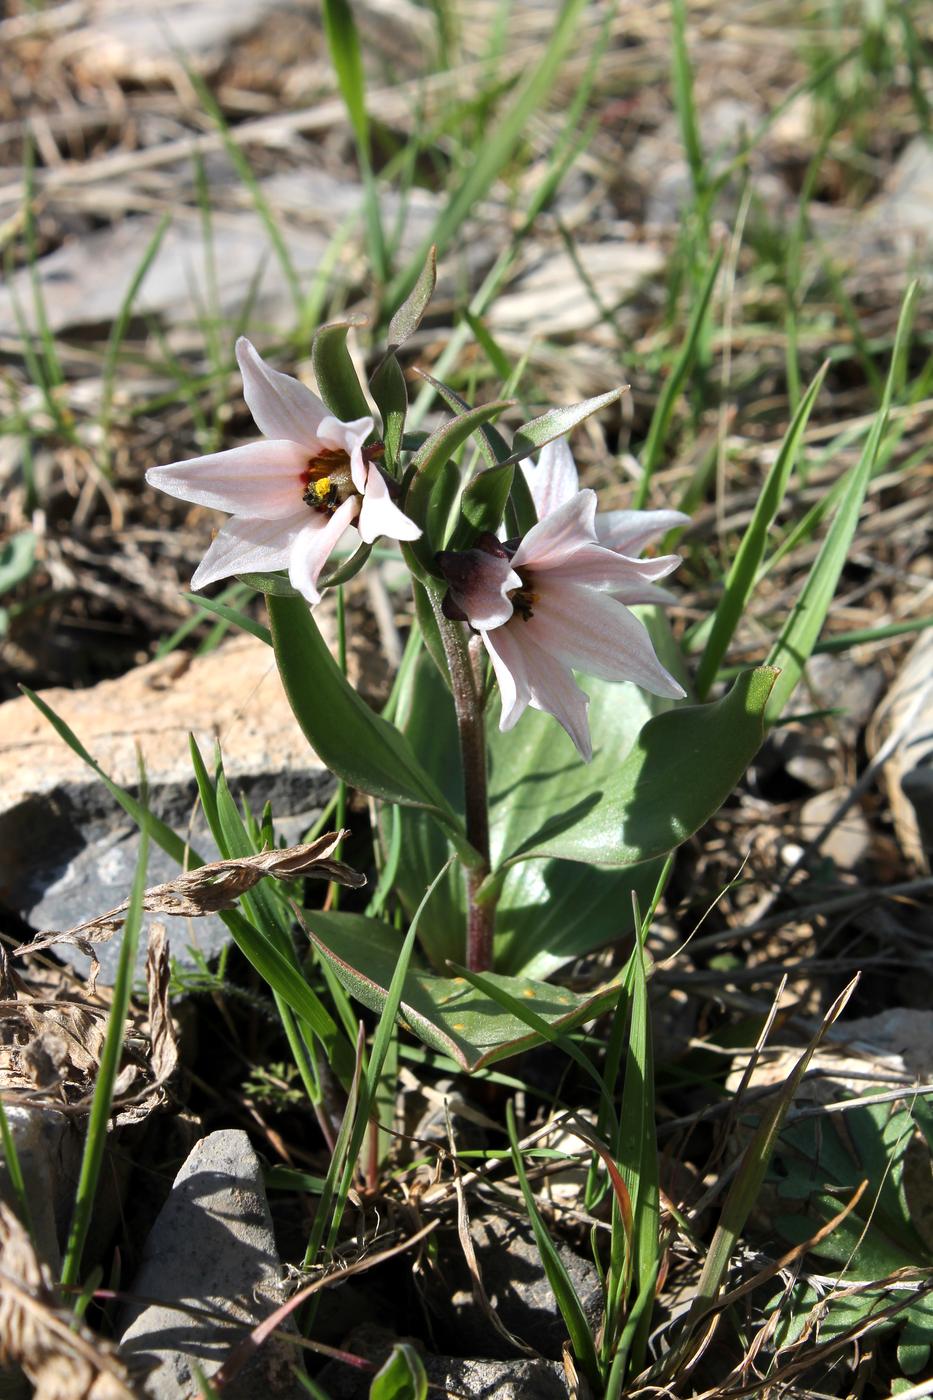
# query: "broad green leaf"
[[793, 648], [557, 422], [432, 476], [445, 1012], [337, 381], [354, 742], [743, 571], [403, 1376], [623, 807], [484, 500]]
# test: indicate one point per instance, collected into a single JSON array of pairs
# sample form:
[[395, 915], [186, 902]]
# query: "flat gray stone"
[[48, 1146], [68, 850], [211, 1249]]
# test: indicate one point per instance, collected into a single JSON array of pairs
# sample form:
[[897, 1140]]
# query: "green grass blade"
[[494, 154], [96, 1140], [793, 648], [743, 572], [344, 45], [234, 616], [147, 822], [15, 1173], [661, 418], [571, 1309], [682, 75]]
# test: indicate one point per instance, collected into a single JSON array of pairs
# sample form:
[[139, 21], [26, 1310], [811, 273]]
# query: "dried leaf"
[[62, 1358], [163, 1045], [207, 890]]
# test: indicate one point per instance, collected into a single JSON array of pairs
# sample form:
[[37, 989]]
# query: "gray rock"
[[484, 1379], [840, 682], [68, 850], [904, 722], [902, 214], [211, 1252], [516, 1286], [848, 841], [48, 1146]]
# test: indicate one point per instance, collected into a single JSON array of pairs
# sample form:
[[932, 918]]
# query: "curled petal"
[[263, 479], [553, 480], [249, 546], [281, 406], [479, 585], [596, 634], [508, 662], [380, 515], [349, 438], [628, 531], [554, 539], [312, 547]]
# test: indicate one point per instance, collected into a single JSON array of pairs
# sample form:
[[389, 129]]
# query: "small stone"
[[48, 1147], [899, 1031], [517, 1288], [906, 713], [848, 841], [212, 1251]]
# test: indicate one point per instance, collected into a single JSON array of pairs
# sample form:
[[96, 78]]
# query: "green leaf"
[[622, 808], [434, 483], [743, 571], [336, 378], [355, 743], [484, 500], [17, 555], [445, 1012], [793, 648], [558, 422], [270, 584], [571, 1309], [403, 1376], [389, 390], [660, 420], [408, 317], [233, 615]]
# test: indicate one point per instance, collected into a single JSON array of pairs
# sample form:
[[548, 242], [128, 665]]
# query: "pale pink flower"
[[553, 481], [547, 608], [291, 496]]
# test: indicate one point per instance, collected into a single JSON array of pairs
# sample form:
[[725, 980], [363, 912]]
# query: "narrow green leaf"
[[484, 500], [794, 646], [14, 1172], [163, 835], [557, 422], [408, 317], [571, 1309], [17, 556], [337, 381], [667, 400], [96, 1139], [743, 571], [232, 615], [390, 393], [434, 484]]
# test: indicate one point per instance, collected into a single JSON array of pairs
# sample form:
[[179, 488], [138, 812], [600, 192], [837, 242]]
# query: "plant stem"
[[468, 706]]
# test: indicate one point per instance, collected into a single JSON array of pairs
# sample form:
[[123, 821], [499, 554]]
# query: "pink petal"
[[593, 633], [553, 479], [598, 567], [529, 676], [479, 584], [560, 534], [380, 515], [312, 547], [263, 479], [509, 665], [628, 531], [249, 546], [281, 406], [349, 438], [634, 593]]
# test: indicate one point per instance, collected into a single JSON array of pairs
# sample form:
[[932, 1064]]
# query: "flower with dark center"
[[549, 605], [292, 495]]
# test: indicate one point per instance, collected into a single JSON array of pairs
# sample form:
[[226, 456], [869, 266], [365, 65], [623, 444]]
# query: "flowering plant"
[[532, 806]]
